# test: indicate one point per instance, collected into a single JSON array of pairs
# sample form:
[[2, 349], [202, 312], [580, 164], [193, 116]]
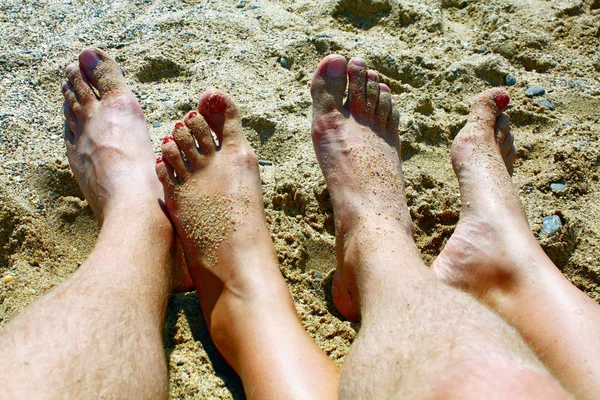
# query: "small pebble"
[[283, 63], [510, 80], [157, 124], [535, 90], [264, 162], [242, 4], [8, 279], [546, 104], [551, 225], [558, 187]]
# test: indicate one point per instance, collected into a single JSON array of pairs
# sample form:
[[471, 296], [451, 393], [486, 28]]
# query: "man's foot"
[[108, 145], [492, 236], [214, 196], [358, 148]]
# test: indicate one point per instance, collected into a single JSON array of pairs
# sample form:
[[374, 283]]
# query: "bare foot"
[[108, 145], [214, 197], [492, 236], [358, 148]]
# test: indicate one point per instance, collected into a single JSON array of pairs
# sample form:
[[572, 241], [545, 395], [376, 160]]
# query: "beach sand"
[[435, 56]]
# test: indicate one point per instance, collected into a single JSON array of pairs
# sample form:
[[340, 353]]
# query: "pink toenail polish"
[[179, 125], [502, 101], [89, 59], [159, 159], [359, 62], [336, 68], [216, 103], [167, 139], [191, 114], [69, 70]]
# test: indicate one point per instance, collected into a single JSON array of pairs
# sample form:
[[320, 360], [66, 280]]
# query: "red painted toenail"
[[159, 159], [167, 139], [179, 125], [216, 103], [191, 114], [501, 101]]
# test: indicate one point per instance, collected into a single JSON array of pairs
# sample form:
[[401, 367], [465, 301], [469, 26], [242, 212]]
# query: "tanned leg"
[[419, 338], [98, 335], [494, 256], [214, 197]]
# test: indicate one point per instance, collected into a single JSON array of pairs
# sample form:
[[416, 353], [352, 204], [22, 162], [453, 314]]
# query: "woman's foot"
[[358, 148], [214, 196], [492, 238]]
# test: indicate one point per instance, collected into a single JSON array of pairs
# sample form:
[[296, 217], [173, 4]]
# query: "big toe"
[[102, 71], [222, 116], [329, 84], [488, 106]]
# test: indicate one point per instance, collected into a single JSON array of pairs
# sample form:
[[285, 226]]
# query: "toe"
[[186, 143], [393, 120], [165, 176], [83, 91], [70, 123], [201, 131], [372, 93], [221, 114], [383, 108], [172, 155], [329, 84], [102, 71], [357, 85], [488, 106], [504, 137], [510, 159], [68, 92]]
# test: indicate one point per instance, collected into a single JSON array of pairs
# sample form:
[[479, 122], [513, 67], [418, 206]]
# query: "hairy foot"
[[214, 197], [108, 145], [492, 235], [358, 149]]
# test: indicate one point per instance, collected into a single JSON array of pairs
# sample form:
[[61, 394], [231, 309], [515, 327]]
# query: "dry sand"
[[434, 55]]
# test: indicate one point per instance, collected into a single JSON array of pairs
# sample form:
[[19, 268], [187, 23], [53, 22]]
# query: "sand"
[[434, 55]]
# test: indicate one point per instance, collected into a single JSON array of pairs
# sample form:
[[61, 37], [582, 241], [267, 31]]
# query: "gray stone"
[[157, 124], [546, 104], [551, 225], [535, 90], [510, 80], [284, 63], [558, 187]]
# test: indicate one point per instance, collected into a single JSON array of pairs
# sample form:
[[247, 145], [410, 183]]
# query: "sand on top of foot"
[[435, 55]]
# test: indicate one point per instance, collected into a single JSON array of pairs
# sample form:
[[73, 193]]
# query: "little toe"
[[201, 131], [172, 155], [102, 71], [383, 108], [83, 91], [186, 143], [166, 176], [329, 84], [504, 137], [221, 114], [372, 93], [70, 123], [357, 85]]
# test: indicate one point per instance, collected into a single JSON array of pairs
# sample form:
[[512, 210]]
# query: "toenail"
[[359, 62], [216, 103], [178, 125], [159, 159], [191, 114], [167, 139], [336, 68], [89, 59], [372, 75], [70, 69], [501, 101]]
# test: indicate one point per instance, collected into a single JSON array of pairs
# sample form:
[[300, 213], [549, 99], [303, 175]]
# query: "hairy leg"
[[99, 334], [419, 337], [214, 197], [494, 256]]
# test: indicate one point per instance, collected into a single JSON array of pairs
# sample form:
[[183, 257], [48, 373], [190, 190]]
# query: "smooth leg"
[[494, 256], [99, 335], [419, 337], [214, 196]]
